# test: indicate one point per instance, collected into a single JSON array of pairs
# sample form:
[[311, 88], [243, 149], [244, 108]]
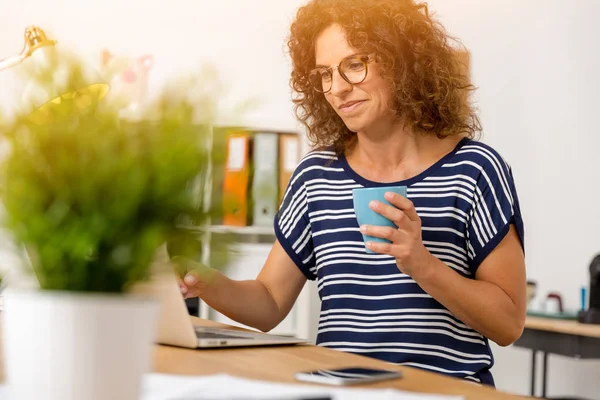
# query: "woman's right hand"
[[193, 276]]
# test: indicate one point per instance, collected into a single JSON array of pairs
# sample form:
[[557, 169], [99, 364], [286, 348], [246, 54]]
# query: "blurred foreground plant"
[[91, 196]]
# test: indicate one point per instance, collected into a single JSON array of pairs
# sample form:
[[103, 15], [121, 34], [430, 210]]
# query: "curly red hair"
[[428, 79]]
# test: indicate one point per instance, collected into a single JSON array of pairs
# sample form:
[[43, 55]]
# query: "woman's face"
[[361, 106]]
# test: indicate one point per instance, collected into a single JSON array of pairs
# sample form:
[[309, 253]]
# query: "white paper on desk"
[[220, 387]]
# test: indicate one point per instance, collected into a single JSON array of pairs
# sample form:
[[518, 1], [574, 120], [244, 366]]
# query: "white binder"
[[265, 178]]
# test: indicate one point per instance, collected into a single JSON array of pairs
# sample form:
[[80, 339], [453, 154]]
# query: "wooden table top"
[[280, 363], [562, 326]]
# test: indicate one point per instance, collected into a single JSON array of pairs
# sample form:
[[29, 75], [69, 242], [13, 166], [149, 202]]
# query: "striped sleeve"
[[495, 206], [292, 225]]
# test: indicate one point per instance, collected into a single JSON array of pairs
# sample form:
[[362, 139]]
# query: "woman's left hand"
[[412, 257]]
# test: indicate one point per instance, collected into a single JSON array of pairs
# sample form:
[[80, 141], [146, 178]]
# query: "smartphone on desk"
[[347, 376]]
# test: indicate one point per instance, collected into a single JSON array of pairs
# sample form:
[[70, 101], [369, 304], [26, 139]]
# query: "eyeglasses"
[[353, 69]]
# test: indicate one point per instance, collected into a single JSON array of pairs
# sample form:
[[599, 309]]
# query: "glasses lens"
[[354, 69], [321, 79]]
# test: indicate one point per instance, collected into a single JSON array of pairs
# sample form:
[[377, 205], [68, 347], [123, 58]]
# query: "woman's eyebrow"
[[351, 55]]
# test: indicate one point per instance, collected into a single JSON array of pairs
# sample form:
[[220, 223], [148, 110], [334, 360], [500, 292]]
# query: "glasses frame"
[[365, 59]]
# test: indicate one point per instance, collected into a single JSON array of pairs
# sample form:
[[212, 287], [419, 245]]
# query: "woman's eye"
[[355, 65], [325, 75]]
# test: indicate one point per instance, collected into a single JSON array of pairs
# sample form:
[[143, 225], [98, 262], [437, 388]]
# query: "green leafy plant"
[[91, 196]]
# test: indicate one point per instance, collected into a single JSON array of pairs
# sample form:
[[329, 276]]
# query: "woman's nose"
[[339, 85]]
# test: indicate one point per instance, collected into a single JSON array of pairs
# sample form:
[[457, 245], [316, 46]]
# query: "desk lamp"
[[36, 39], [592, 314]]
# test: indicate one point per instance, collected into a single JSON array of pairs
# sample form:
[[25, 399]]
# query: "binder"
[[289, 153], [265, 178], [236, 179]]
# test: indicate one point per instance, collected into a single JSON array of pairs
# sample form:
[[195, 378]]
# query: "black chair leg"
[[533, 362], [544, 373]]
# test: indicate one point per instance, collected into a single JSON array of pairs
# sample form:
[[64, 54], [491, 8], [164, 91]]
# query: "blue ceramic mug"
[[365, 216]]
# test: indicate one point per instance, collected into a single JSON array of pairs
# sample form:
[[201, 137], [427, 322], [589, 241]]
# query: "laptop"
[[175, 327]]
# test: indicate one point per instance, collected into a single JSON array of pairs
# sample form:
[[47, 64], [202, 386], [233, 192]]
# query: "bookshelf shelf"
[[246, 234], [253, 242], [243, 234], [243, 230]]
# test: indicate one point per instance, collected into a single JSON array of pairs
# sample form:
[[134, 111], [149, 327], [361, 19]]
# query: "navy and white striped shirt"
[[466, 202]]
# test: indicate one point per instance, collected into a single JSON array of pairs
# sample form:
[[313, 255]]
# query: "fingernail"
[[389, 195], [363, 229], [190, 280], [183, 289], [373, 205]]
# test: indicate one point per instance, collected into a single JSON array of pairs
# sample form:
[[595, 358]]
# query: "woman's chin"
[[354, 124]]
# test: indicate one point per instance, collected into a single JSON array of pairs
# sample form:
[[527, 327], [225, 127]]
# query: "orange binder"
[[236, 180], [289, 153]]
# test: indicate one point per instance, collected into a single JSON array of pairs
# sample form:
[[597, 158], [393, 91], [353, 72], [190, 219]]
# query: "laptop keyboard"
[[211, 335]]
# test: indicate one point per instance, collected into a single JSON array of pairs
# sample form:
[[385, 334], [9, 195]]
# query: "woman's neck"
[[397, 154]]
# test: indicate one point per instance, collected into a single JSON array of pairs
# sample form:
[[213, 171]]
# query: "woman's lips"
[[350, 106]]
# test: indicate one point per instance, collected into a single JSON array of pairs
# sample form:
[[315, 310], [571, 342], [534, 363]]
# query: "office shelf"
[[243, 230], [246, 234], [243, 234], [252, 246]]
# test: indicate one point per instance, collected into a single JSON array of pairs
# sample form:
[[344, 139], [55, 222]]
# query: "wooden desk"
[[564, 337], [279, 364]]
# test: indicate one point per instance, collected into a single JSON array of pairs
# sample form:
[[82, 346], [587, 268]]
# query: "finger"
[[384, 232], [181, 265], [193, 272], [403, 204], [186, 290], [379, 247], [197, 281], [397, 216], [190, 279], [192, 293], [183, 288]]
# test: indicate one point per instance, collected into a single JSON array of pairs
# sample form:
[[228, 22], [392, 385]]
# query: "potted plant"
[[90, 198]]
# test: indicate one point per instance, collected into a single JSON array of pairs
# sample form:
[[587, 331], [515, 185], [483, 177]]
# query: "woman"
[[384, 99]]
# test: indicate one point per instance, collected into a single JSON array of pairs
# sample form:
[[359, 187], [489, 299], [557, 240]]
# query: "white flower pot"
[[77, 346]]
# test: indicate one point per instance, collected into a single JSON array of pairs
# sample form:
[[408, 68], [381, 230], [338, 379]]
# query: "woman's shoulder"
[[482, 155], [321, 156], [316, 165]]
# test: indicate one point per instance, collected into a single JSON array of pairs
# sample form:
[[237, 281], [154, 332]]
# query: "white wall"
[[244, 39], [534, 62]]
